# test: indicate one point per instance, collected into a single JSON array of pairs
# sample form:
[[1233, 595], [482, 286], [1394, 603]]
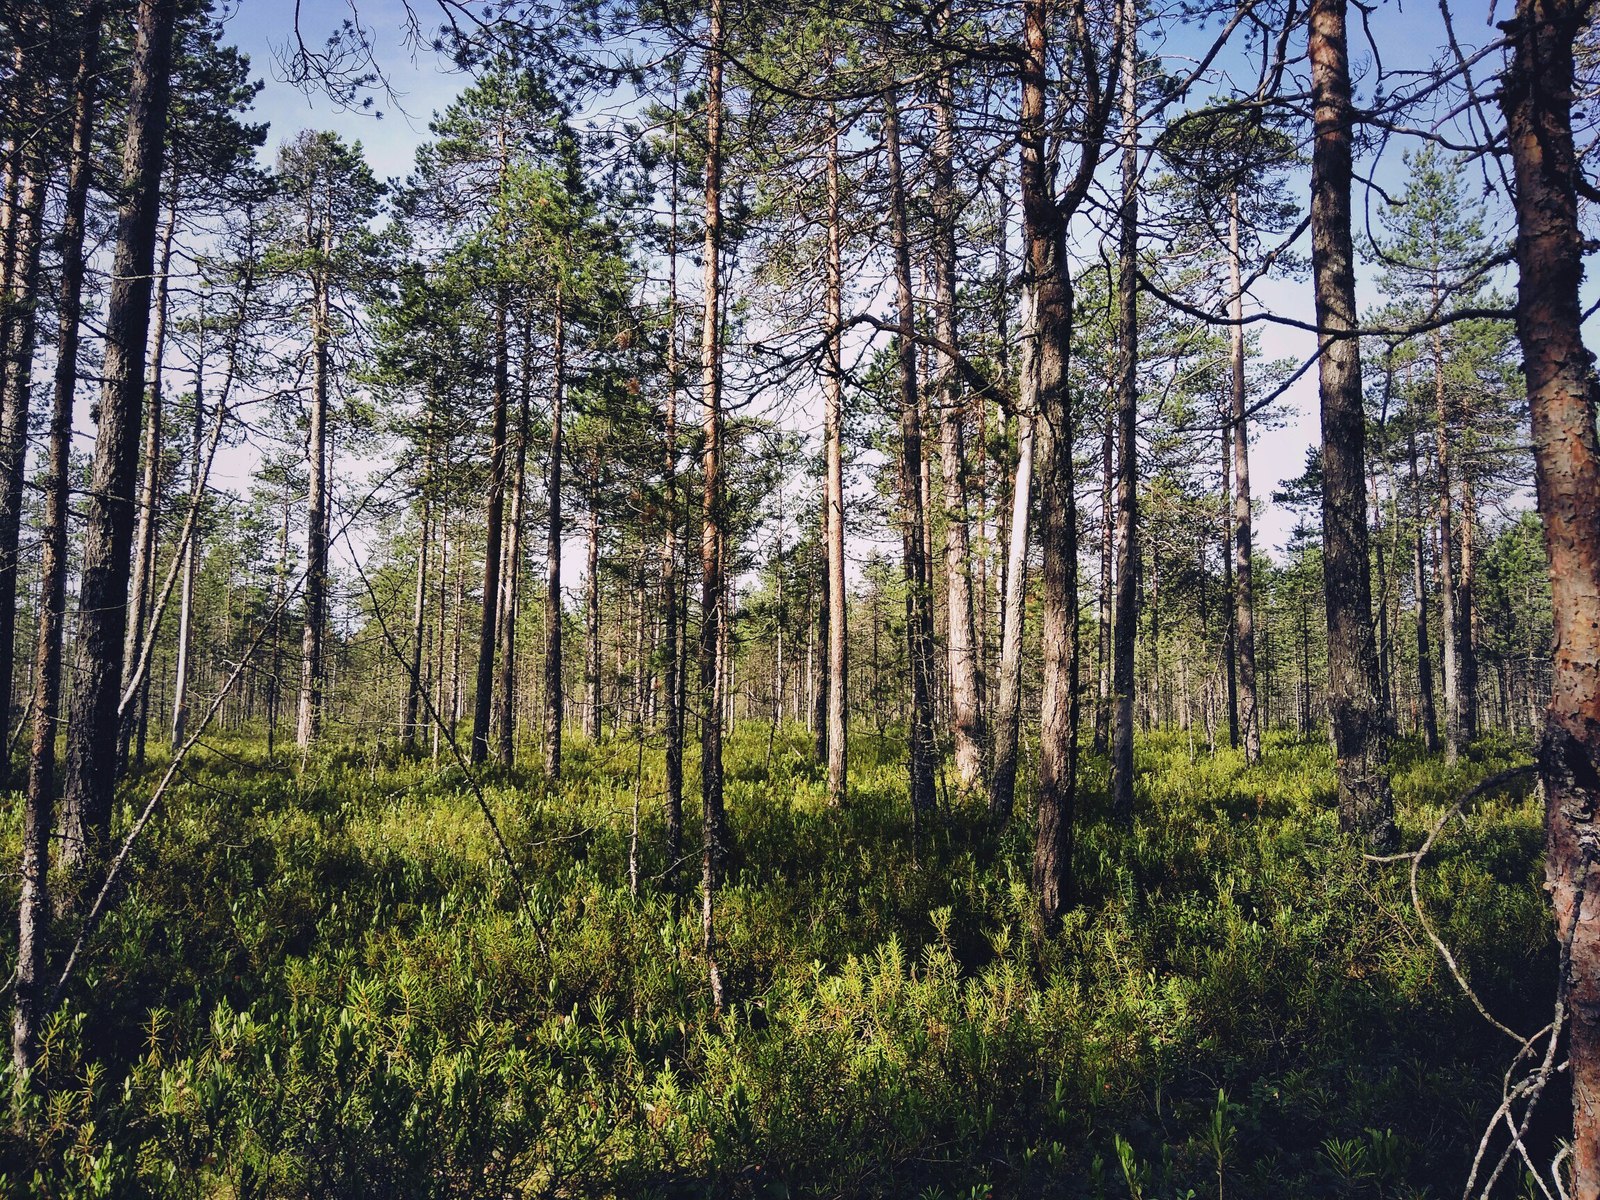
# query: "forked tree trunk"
[[1537, 95], [90, 770], [1366, 807]]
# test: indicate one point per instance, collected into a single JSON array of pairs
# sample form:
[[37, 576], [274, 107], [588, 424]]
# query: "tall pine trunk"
[[412, 721], [1046, 356], [134, 720], [39, 805], [19, 330], [511, 569], [316, 583], [90, 769], [1419, 587], [1125, 618], [191, 562], [494, 520], [835, 620], [591, 618], [713, 592], [1244, 629], [1366, 807], [966, 679], [913, 506], [554, 701], [1450, 620], [672, 628]]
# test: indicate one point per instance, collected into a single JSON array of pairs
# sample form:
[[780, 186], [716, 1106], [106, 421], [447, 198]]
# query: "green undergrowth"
[[326, 982]]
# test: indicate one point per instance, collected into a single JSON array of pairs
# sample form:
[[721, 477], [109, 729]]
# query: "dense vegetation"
[[330, 985]]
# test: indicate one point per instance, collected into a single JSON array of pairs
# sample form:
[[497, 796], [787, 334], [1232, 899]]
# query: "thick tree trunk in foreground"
[[1046, 354], [1366, 807], [90, 770], [1537, 99], [39, 810], [913, 512]]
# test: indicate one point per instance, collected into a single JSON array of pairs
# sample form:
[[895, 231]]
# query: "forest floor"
[[325, 983]]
